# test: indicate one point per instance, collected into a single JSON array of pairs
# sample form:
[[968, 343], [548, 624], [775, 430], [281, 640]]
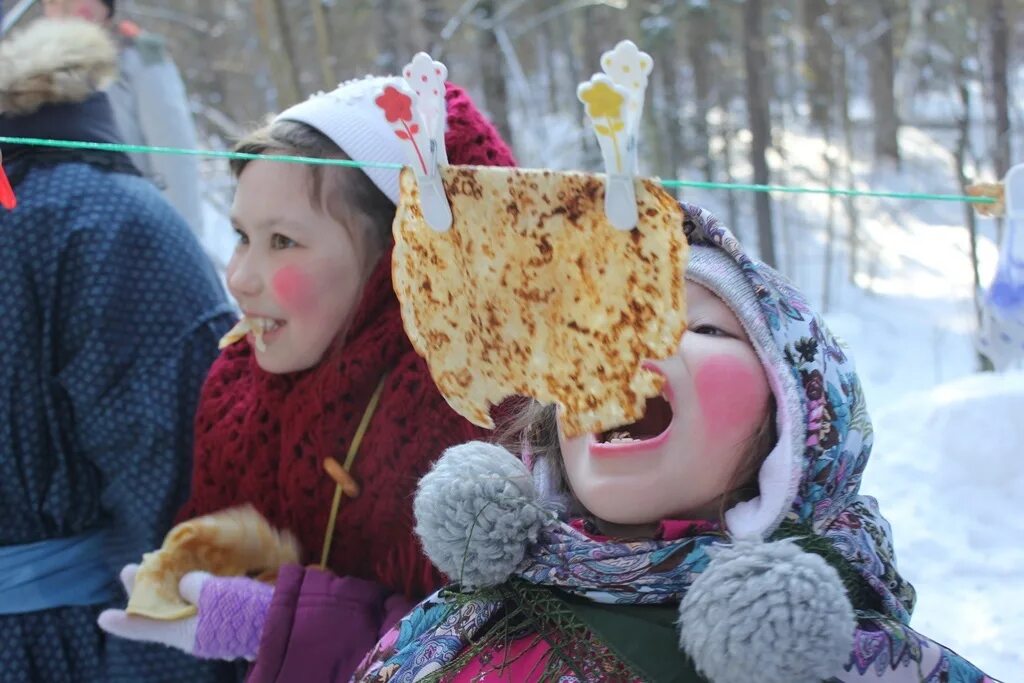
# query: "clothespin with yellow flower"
[[614, 104], [629, 68]]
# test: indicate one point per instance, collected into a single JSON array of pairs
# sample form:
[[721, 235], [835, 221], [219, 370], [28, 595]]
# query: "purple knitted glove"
[[232, 612], [229, 623]]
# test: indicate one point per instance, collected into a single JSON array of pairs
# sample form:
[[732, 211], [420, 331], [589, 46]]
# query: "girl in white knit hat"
[[322, 335]]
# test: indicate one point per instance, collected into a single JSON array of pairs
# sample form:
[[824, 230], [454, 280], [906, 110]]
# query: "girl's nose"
[[244, 278]]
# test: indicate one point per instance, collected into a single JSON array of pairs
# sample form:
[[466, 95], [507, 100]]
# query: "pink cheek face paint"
[[728, 394], [294, 289]]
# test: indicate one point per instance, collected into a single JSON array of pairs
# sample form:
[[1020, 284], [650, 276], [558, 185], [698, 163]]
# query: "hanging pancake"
[[532, 292]]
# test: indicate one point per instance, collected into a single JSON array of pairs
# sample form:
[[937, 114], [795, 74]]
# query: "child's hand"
[[229, 623]]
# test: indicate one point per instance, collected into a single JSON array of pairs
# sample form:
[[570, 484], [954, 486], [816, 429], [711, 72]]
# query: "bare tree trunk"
[[882, 57], [492, 72], [830, 227], [960, 159], [843, 105], [759, 114], [323, 45], [546, 46], [700, 29], [655, 150], [269, 15], [590, 156], [850, 203], [288, 46], [728, 133], [818, 60], [1000, 37], [605, 27], [787, 100], [671, 101], [432, 17], [565, 29]]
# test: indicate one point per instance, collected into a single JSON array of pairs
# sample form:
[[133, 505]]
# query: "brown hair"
[[534, 427], [347, 194]]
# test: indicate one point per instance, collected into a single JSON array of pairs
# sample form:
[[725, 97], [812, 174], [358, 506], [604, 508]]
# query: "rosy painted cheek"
[[731, 394], [294, 289]]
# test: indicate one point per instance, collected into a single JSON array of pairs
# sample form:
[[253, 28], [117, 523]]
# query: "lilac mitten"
[[228, 625], [232, 612]]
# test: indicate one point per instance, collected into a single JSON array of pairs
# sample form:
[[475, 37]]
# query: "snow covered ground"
[[948, 463], [949, 474]]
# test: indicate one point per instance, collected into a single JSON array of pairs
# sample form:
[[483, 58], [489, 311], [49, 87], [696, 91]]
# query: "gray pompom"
[[476, 514], [767, 612]]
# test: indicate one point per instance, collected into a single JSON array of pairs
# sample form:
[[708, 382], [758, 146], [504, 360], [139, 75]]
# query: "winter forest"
[[877, 96]]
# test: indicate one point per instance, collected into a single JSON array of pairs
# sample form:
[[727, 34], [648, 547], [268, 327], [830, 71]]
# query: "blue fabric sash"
[[61, 572]]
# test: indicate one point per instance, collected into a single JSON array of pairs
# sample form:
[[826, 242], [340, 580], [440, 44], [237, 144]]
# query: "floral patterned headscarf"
[[809, 486]]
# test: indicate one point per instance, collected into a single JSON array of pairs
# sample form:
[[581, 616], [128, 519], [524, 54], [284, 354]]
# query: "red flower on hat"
[[397, 106]]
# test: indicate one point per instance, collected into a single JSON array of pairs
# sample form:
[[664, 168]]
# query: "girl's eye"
[[279, 241], [709, 330], [242, 237]]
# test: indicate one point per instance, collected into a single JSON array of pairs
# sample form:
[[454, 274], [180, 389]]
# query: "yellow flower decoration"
[[602, 100]]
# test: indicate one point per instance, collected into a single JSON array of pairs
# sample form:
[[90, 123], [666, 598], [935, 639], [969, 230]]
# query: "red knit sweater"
[[262, 438]]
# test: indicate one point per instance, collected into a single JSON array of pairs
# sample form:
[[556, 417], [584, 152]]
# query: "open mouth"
[[651, 429], [263, 330]]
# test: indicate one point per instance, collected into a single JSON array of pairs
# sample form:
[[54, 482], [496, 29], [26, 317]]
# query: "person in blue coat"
[[150, 104], [111, 317]]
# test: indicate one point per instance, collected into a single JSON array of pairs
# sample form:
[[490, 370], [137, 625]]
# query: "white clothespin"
[[415, 107], [614, 103], [630, 68], [427, 78]]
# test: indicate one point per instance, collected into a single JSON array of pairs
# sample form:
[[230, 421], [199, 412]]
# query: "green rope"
[[746, 187], [143, 149], [835, 191]]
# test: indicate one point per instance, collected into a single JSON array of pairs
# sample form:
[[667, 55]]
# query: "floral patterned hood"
[[812, 477], [808, 490]]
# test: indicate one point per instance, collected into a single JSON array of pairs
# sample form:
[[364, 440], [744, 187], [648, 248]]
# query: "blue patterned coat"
[[111, 316]]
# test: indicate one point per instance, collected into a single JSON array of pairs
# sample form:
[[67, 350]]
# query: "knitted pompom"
[[476, 514], [767, 612]]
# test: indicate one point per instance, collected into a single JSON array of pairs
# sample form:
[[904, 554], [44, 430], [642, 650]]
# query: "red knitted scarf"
[[262, 438]]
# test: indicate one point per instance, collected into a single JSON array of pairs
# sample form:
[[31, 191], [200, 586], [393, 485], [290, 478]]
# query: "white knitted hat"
[[349, 116]]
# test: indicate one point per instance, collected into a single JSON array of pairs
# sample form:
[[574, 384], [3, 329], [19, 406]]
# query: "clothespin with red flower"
[[614, 103], [415, 107], [7, 198]]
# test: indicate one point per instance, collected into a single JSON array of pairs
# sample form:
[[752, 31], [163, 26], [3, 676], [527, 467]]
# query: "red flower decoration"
[[396, 105]]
